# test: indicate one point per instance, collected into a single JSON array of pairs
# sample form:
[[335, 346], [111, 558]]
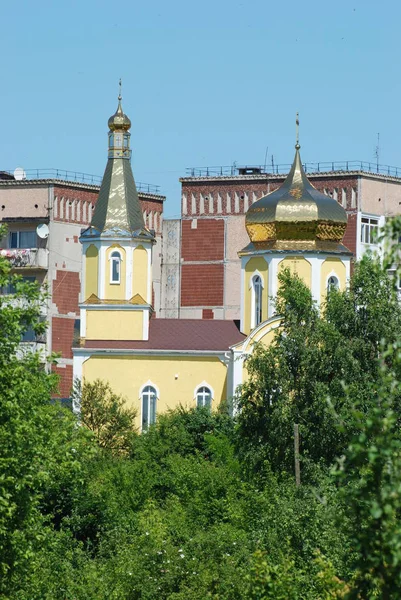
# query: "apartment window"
[[369, 230], [257, 286], [344, 197], [115, 267], [203, 397], [23, 239], [10, 288], [149, 398]]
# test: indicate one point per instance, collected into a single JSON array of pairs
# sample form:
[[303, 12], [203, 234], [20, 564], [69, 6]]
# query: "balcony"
[[26, 258]]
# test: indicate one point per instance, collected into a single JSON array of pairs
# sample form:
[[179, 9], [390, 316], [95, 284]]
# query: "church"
[[158, 364]]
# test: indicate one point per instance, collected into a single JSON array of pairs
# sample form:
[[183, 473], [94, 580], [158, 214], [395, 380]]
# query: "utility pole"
[[296, 455]]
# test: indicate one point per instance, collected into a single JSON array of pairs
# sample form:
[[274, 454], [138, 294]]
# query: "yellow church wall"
[[114, 324], [297, 265], [175, 378], [140, 278], [331, 266], [256, 263], [91, 271], [115, 291], [264, 336]]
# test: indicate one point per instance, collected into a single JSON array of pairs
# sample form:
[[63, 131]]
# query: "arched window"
[[149, 398], [332, 283], [257, 299], [115, 267], [203, 397]]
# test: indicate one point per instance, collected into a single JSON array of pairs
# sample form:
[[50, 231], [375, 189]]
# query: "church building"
[[158, 364]]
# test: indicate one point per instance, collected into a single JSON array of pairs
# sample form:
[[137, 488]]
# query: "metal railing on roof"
[[310, 167], [78, 177]]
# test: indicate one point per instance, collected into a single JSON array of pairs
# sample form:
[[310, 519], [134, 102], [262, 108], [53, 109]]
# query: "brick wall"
[[65, 383], [349, 239], [205, 242], [74, 205], [202, 285], [65, 292], [62, 336]]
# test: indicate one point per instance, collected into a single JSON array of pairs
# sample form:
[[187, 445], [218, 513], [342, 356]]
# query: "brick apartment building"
[[64, 202], [201, 269]]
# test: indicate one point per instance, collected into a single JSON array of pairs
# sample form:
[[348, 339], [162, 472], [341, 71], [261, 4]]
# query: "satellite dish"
[[19, 174], [43, 231]]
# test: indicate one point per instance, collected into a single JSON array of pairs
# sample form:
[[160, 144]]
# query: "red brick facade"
[[202, 285], [65, 292], [66, 379], [62, 336], [205, 242], [207, 202], [76, 205]]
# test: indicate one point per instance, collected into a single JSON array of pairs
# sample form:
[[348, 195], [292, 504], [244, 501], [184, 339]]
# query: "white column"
[[273, 285], [129, 253], [238, 364], [102, 271], [316, 268]]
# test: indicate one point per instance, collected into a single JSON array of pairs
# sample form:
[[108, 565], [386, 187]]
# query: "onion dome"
[[119, 121], [296, 211]]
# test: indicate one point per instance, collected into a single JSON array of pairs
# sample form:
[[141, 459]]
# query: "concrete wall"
[[380, 197], [23, 202], [170, 269]]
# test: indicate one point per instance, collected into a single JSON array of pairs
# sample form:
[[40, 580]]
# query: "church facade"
[[158, 364]]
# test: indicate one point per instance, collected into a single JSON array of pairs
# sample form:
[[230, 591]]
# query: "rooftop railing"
[[279, 169], [75, 176]]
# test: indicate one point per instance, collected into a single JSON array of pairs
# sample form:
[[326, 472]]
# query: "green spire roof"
[[118, 210]]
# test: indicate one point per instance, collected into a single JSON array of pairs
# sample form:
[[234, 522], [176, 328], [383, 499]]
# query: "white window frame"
[[141, 392], [204, 384], [112, 260], [370, 227], [253, 299]]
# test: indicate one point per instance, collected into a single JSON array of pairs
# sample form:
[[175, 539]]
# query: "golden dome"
[[119, 121], [296, 211]]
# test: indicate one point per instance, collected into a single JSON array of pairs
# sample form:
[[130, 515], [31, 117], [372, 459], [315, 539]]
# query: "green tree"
[[370, 475], [105, 414], [310, 360]]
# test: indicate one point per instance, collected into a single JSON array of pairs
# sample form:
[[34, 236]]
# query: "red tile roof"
[[180, 334]]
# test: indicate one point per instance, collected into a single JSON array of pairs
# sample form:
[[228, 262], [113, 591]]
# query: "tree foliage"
[[105, 414], [203, 507]]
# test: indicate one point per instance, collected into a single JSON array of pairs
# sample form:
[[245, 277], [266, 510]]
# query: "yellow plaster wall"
[[140, 278], [298, 265], [331, 266], [91, 271], [114, 324], [115, 291], [128, 374], [265, 336], [257, 263]]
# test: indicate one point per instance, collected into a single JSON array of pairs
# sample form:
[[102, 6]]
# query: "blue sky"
[[204, 83]]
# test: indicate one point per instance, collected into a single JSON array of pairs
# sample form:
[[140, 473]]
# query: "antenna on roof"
[[377, 152], [267, 150]]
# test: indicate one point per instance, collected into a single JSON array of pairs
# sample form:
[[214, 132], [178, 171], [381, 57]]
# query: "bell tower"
[[117, 249]]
